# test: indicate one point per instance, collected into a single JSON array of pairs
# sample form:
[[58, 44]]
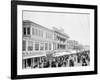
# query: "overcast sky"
[[75, 25]]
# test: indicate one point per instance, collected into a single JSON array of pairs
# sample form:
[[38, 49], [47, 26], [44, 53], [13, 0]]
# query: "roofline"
[[45, 28], [64, 34], [38, 24]]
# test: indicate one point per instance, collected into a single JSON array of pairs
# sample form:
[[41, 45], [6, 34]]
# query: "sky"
[[74, 24]]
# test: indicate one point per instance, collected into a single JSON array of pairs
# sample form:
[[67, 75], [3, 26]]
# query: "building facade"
[[40, 42], [60, 40]]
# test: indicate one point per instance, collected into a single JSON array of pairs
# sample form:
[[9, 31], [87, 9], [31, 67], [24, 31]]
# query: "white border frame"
[[21, 71]]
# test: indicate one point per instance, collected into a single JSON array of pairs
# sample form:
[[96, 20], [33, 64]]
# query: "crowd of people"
[[71, 60]]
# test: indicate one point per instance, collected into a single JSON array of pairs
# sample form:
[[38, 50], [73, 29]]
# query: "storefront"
[[32, 61]]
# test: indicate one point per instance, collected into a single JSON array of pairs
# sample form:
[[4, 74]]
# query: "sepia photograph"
[[53, 39]]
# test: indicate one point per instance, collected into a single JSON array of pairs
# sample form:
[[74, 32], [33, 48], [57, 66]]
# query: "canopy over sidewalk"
[[61, 54], [66, 53], [33, 54]]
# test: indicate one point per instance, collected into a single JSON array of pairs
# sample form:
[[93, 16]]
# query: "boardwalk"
[[70, 60]]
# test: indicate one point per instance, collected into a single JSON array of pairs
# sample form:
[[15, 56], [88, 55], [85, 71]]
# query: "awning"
[[33, 54], [61, 54]]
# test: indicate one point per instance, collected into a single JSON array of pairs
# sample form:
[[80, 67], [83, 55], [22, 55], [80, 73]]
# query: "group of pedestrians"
[[78, 59]]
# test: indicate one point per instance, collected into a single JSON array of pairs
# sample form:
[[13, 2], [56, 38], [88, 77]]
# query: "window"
[[50, 36], [46, 46], [49, 46], [46, 35], [36, 31], [28, 30], [58, 46], [36, 46], [30, 45], [39, 33], [24, 45], [24, 30], [54, 46], [42, 46], [33, 33]]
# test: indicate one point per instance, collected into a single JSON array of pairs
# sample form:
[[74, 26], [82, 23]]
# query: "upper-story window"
[[33, 31], [26, 31], [48, 35], [41, 46], [54, 46], [36, 32], [41, 33], [49, 46], [30, 45], [46, 46], [36, 46], [24, 45]]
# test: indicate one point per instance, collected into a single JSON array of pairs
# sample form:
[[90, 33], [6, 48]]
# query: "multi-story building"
[[60, 40], [39, 42]]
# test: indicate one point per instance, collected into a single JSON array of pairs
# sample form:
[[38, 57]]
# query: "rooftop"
[[59, 31]]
